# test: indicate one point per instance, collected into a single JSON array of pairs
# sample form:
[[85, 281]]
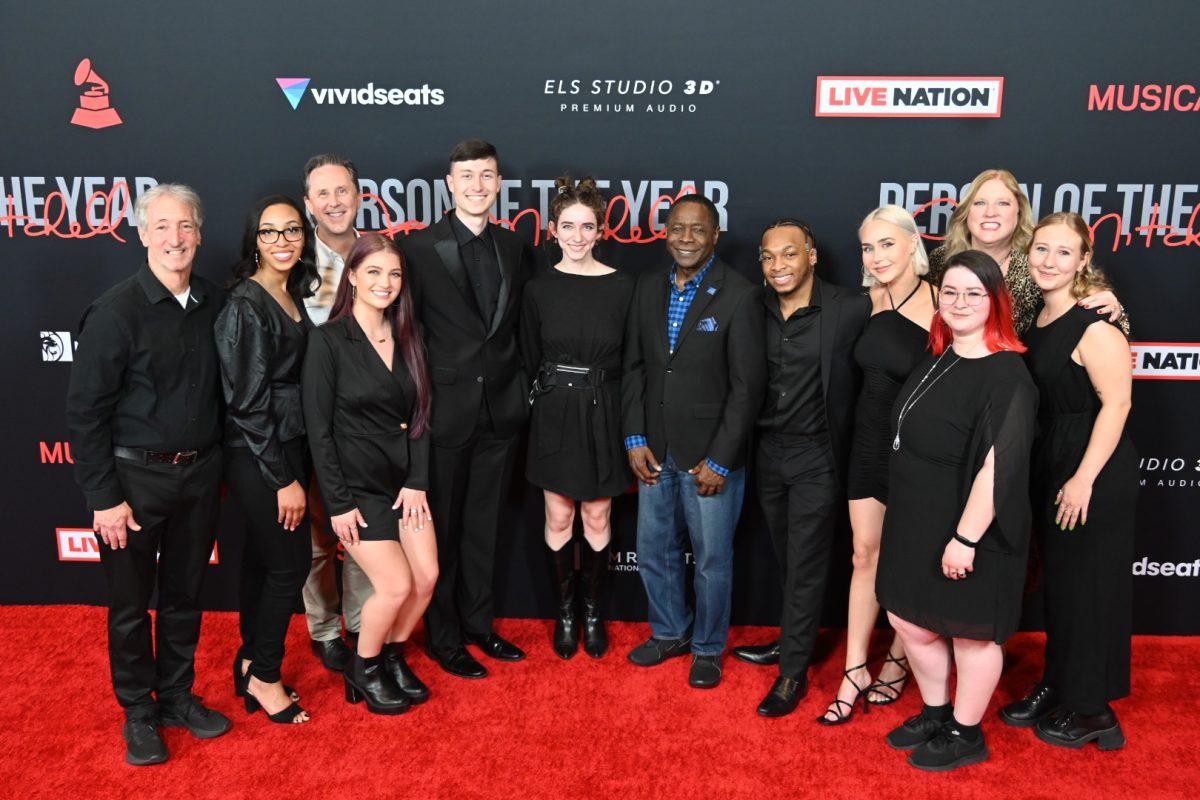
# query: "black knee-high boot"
[[566, 631], [593, 570]]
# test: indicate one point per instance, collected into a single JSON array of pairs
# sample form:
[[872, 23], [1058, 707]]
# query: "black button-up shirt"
[[794, 404], [145, 376], [478, 254]]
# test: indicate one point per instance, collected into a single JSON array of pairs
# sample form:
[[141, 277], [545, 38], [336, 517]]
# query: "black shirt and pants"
[[262, 351], [467, 293], [146, 382], [804, 434]]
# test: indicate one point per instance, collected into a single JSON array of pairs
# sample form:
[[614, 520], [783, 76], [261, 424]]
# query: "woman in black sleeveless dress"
[[1085, 491], [572, 329], [895, 339]]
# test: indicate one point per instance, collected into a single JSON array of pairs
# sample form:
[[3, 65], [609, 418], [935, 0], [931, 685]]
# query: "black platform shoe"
[[412, 686], [566, 629], [1067, 728], [1026, 712], [593, 571], [368, 679]]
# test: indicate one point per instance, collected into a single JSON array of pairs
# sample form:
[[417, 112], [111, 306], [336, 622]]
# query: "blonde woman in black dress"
[[572, 329]]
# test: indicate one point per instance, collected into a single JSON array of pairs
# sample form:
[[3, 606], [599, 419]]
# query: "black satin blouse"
[[262, 353]]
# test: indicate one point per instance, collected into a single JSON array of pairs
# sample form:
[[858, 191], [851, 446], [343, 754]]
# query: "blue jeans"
[[709, 523]]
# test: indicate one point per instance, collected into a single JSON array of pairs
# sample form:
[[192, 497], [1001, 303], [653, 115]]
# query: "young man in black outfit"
[[467, 275], [145, 417], [804, 440]]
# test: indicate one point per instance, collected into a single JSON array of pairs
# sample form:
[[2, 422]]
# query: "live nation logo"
[[1166, 361], [81, 544], [908, 96]]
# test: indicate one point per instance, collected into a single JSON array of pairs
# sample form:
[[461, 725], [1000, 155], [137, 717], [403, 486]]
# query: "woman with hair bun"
[[572, 330]]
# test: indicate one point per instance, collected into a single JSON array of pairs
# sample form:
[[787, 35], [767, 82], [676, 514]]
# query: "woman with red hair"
[[956, 535]]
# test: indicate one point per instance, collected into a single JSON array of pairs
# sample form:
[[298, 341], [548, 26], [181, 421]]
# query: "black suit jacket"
[[702, 401], [469, 359], [359, 418]]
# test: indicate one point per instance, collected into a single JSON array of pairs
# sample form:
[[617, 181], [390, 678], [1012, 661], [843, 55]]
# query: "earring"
[[256, 258], [353, 292]]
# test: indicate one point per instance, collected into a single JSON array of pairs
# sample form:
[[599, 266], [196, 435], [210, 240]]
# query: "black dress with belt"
[[969, 407], [1088, 584], [359, 416], [575, 445]]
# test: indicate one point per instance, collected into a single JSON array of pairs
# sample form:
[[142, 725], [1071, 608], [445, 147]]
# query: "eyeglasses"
[[949, 297], [271, 236]]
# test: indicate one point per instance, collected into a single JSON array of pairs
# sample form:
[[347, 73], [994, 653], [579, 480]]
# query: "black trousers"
[[177, 507], [275, 561], [467, 488], [798, 491]]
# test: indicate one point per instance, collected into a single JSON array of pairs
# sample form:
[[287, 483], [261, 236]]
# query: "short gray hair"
[[904, 221], [181, 192]]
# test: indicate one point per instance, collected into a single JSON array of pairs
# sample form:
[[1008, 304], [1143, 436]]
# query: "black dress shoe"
[[764, 655], [785, 695], [493, 645], [457, 661], [1067, 728], [143, 745], [653, 652], [188, 712], [948, 750], [395, 663], [334, 654], [1026, 712], [705, 672]]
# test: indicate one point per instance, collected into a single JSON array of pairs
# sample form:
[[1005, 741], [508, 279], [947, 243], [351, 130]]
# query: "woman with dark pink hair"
[[366, 407]]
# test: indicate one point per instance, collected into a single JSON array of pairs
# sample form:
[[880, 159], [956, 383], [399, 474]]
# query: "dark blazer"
[[468, 358], [701, 401], [359, 420]]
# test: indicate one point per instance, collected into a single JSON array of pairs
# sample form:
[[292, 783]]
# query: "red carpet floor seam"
[[545, 728]]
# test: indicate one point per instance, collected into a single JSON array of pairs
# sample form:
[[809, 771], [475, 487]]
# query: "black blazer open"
[[468, 359], [703, 400], [359, 417]]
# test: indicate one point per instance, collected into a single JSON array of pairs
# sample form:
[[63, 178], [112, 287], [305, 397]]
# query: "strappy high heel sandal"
[[242, 679], [887, 689], [285, 717], [836, 706]]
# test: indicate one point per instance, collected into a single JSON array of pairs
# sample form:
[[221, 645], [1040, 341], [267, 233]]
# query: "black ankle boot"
[[566, 631], [368, 679], [594, 570], [412, 686]]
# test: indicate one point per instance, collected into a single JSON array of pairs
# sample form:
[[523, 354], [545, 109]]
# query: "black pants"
[[177, 507], [275, 561], [467, 488], [798, 491]]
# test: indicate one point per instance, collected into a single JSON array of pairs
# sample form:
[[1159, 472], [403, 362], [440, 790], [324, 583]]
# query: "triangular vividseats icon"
[[293, 89]]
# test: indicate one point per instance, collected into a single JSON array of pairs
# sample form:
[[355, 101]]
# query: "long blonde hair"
[[1091, 278], [958, 237], [904, 221]]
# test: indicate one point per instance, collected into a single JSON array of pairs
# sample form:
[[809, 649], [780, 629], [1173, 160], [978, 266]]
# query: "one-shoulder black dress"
[[886, 352], [971, 406], [1088, 584]]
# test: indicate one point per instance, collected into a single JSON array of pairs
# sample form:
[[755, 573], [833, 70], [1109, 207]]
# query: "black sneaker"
[[187, 712], [915, 731], [653, 652], [948, 750], [143, 745]]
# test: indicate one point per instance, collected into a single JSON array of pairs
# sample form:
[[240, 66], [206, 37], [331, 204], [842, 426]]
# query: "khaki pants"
[[321, 597]]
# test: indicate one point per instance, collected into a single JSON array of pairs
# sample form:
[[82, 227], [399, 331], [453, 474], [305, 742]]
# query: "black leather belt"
[[179, 459]]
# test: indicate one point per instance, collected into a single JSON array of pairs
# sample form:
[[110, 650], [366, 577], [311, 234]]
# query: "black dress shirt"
[[145, 376], [794, 404], [262, 352], [478, 255]]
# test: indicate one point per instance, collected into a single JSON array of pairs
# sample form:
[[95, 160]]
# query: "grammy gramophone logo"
[[95, 110]]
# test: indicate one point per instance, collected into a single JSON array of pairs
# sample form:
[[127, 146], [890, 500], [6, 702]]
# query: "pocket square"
[[708, 324]]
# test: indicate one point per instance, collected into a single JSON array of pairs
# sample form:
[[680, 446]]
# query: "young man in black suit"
[[467, 276], [804, 440], [693, 384]]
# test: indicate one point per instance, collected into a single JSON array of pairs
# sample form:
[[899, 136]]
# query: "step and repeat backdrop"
[[772, 110]]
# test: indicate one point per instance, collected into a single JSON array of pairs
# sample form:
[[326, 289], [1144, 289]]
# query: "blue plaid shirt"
[[681, 301]]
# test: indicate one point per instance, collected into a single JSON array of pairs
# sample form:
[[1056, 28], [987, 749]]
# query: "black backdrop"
[[728, 105]]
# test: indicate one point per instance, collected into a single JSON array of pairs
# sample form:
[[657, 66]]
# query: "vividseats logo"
[[1166, 361], [370, 95], [1166, 569], [908, 96]]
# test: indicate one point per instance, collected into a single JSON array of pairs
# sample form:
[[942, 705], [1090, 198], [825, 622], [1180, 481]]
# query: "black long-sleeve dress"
[[970, 406], [1088, 584], [575, 445], [359, 417]]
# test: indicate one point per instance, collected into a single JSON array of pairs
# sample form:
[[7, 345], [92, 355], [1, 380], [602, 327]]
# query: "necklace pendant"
[[896, 442]]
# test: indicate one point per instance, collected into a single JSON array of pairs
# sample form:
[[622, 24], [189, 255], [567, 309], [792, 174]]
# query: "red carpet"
[[543, 728]]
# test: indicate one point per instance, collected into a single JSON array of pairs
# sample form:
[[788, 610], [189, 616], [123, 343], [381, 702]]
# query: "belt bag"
[[566, 376]]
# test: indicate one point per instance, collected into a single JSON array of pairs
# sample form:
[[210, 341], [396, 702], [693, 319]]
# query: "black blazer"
[[468, 359], [703, 400], [359, 418]]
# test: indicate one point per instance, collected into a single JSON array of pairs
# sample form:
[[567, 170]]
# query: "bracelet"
[[958, 537]]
